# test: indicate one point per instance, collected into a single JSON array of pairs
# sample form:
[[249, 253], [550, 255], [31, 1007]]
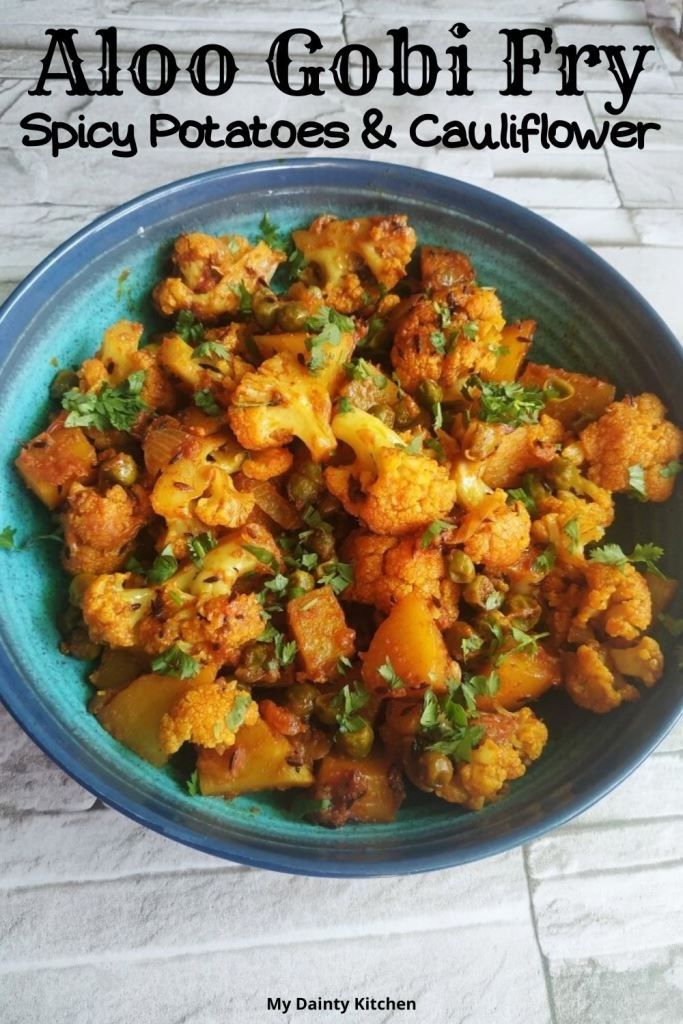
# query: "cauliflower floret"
[[113, 609], [368, 386], [211, 629], [633, 433], [119, 356], [280, 401], [390, 488], [269, 463], [196, 489], [446, 337], [512, 741], [617, 600], [350, 254], [513, 451], [213, 271], [211, 372], [591, 683], [644, 661], [386, 569], [495, 533], [208, 715], [100, 528]]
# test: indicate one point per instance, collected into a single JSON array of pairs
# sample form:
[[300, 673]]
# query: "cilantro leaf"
[[210, 348], [325, 328], [360, 369], [163, 567], [189, 328], [199, 547], [345, 405], [672, 468], [175, 662], [338, 575], [235, 717], [205, 401], [343, 665], [7, 539], [438, 340], [192, 784], [303, 806], [470, 330], [470, 645], [107, 409], [437, 413], [571, 528], [507, 401], [521, 494], [433, 531], [636, 483], [264, 555], [526, 642], [270, 234], [545, 561], [244, 296], [347, 704], [389, 675], [645, 554], [443, 313]]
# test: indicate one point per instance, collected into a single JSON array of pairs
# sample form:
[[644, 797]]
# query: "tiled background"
[[102, 921]]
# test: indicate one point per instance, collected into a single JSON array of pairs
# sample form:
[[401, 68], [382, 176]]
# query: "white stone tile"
[[643, 106], [655, 76], [579, 850], [474, 976], [609, 911], [41, 849], [595, 227], [644, 987], [210, 910], [29, 781], [651, 792]]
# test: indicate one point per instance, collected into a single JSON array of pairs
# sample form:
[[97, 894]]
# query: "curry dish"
[[330, 529]]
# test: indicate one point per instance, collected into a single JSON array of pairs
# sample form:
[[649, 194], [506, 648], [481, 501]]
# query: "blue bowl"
[[589, 318]]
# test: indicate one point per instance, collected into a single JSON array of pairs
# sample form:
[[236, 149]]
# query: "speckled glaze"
[[589, 319]]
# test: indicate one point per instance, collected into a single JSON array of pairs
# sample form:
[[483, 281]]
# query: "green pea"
[[523, 608], [256, 663], [429, 393], [357, 744], [481, 593], [265, 305], [305, 483], [325, 708], [121, 469], [435, 769], [406, 413], [460, 566], [292, 316], [301, 698], [384, 413], [63, 381]]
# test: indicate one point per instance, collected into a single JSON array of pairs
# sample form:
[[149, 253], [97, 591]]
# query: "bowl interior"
[[588, 320]]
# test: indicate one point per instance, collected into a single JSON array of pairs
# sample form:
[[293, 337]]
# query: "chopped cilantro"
[[244, 296], [345, 405], [437, 413], [443, 313], [470, 645], [192, 784], [163, 567], [470, 330], [435, 445], [175, 662], [7, 539], [374, 333], [360, 369], [571, 528], [270, 234], [445, 722], [389, 675], [545, 561], [199, 547], [303, 806], [438, 340], [326, 328], [205, 401], [235, 717], [264, 555], [189, 328], [636, 483], [296, 262], [414, 447], [526, 642], [107, 409], [433, 531], [347, 704], [672, 468], [338, 575], [210, 348], [506, 401], [645, 554], [523, 495], [343, 665]]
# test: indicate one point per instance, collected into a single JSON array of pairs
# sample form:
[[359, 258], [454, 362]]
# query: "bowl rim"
[[349, 173]]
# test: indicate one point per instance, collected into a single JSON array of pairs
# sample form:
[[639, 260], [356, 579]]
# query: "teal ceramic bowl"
[[589, 319]]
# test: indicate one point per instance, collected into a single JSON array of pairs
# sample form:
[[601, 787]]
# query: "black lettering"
[[140, 71], [516, 61], [279, 61], [227, 69], [62, 39], [429, 66]]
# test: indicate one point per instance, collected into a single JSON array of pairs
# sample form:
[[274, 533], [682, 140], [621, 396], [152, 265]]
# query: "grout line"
[[545, 963]]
